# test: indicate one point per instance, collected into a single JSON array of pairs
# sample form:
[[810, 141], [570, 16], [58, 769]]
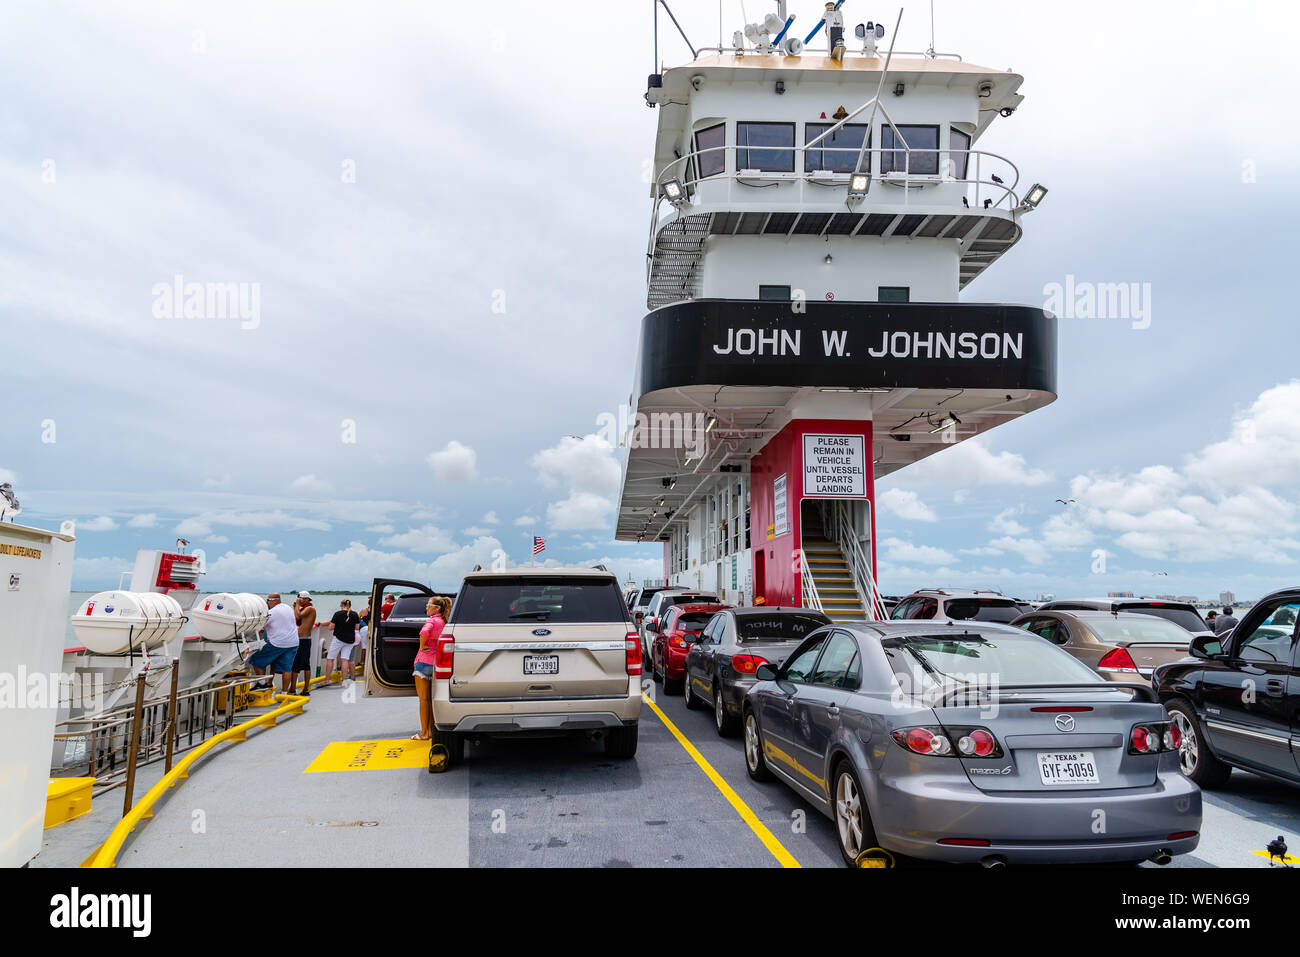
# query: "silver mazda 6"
[[970, 742]]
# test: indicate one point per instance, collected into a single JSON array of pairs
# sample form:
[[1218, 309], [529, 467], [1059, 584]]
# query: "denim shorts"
[[423, 671], [277, 660]]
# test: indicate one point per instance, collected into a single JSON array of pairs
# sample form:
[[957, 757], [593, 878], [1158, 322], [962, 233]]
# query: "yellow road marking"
[[386, 755], [1290, 859], [749, 817]]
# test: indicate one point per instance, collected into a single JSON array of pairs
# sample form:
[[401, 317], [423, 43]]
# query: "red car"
[[676, 632]]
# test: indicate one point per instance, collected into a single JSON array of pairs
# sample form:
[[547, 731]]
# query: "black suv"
[[1236, 701]]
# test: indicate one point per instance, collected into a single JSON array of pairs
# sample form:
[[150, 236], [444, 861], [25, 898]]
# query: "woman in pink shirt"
[[438, 609]]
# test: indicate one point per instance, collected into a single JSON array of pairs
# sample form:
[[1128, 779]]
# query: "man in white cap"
[[305, 613]]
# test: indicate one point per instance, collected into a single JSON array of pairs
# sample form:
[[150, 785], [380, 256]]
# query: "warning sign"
[[834, 466], [392, 755]]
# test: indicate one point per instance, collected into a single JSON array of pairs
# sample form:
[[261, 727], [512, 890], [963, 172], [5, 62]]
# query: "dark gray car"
[[722, 664], [970, 741]]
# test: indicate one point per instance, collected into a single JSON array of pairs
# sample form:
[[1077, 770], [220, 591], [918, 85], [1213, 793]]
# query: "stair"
[[831, 577]]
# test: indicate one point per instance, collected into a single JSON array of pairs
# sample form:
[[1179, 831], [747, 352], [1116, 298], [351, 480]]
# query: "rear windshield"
[[776, 627], [411, 606], [669, 600], [1139, 631], [982, 609], [1184, 618], [643, 599], [490, 601], [1006, 660], [694, 621]]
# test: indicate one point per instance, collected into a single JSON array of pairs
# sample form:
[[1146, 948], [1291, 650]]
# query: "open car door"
[[391, 645]]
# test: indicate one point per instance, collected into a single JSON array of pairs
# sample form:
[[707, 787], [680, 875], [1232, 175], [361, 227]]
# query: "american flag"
[[539, 544]]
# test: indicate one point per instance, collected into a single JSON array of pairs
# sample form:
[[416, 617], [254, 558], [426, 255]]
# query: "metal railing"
[[722, 189], [843, 532], [811, 599], [859, 54], [111, 746]]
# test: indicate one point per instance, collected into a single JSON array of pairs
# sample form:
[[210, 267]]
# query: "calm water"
[[326, 605]]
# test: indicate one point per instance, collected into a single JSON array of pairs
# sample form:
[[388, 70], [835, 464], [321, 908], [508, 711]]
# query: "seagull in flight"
[[1064, 502], [8, 502]]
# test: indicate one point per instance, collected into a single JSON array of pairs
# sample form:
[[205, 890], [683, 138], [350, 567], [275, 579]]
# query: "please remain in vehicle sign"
[[834, 466]]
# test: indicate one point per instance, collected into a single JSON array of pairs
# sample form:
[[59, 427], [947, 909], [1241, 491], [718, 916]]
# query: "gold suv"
[[527, 651]]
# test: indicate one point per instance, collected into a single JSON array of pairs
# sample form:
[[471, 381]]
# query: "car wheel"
[[755, 762], [621, 742], [670, 686], [1194, 757], [453, 744], [691, 703], [852, 820], [724, 721], [654, 668]]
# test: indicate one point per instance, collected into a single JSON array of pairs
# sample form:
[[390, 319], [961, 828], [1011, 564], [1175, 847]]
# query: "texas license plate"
[[541, 664], [1067, 767]]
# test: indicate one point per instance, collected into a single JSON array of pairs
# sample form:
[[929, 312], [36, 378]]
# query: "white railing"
[[732, 188], [843, 532], [859, 54], [810, 597]]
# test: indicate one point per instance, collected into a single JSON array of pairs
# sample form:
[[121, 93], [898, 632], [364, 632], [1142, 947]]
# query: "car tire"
[[621, 742], [454, 742], [691, 703], [755, 762], [723, 721], [1194, 757], [654, 670], [853, 830], [670, 686]]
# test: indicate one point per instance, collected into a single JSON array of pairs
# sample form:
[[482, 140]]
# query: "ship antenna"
[[931, 52]]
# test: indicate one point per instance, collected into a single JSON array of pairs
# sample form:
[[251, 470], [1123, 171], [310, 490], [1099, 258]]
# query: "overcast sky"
[[437, 214]]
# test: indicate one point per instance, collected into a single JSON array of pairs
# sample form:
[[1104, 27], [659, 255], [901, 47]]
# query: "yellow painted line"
[[106, 854], [395, 754], [749, 817], [1290, 859]]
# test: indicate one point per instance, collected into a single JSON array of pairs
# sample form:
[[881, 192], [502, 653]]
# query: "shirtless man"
[[305, 613]]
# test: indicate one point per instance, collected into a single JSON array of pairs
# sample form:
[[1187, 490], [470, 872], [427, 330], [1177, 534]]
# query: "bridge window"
[[774, 293], [915, 138], [765, 146], [838, 152], [958, 146], [712, 139], [893, 293]]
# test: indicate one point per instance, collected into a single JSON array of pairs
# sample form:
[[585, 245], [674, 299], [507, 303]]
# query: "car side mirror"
[[1206, 646], [765, 673], [652, 624]]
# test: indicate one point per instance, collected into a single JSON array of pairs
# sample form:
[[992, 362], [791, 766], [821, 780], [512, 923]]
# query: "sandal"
[[416, 737]]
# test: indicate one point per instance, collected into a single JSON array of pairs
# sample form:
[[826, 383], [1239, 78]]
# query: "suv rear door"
[[529, 637], [389, 663]]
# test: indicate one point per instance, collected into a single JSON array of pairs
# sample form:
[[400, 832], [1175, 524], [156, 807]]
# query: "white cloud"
[[490, 519], [1031, 550], [193, 528], [217, 540], [905, 504], [101, 524], [265, 543], [351, 567], [897, 550], [452, 567], [1264, 448], [454, 463], [972, 463], [1005, 524], [145, 520], [588, 469], [426, 538], [310, 484], [474, 531], [526, 520], [961, 495], [222, 482], [384, 529], [204, 522]]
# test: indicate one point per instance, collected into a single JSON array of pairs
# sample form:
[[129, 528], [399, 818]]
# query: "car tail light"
[[443, 656], [1117, 660], [965, 842], [1180, 835], [1154, 738], [971, 742], [633, 645], [747, 664]]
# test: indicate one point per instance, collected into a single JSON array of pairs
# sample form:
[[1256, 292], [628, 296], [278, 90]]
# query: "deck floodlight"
[[675, 192], [1035, 195], [858, 183]]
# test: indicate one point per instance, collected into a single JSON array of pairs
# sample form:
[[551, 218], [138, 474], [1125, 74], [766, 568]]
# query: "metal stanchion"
[[136, 721], [171, 713]]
